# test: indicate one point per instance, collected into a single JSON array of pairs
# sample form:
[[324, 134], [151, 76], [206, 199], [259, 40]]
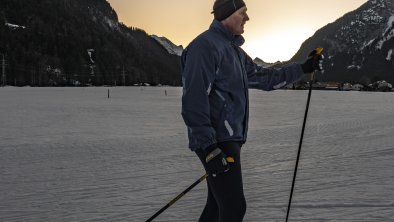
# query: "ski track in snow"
[[71, 154]]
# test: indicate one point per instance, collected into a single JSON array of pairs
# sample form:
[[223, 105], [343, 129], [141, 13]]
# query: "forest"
[[78, 43]]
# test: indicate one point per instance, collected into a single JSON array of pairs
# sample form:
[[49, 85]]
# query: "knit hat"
[[223, 9]]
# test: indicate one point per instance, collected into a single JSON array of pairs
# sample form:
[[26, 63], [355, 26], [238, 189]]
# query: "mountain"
[[70, 42], [358, 46], [260, 62], [169, 46]]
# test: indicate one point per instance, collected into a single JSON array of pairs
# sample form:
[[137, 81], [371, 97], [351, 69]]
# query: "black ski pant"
[[226, 200]]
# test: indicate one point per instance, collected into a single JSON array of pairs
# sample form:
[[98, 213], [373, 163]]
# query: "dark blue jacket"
[[216, 75]]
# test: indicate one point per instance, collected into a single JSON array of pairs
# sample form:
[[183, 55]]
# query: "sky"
[[275, 31]]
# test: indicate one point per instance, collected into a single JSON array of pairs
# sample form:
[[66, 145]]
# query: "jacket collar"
[[218, 27]]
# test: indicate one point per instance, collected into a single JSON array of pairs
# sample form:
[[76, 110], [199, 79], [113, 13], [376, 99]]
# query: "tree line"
[[70, 42]]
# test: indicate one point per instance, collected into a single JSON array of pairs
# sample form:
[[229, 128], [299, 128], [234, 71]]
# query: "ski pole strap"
[[312, 76]]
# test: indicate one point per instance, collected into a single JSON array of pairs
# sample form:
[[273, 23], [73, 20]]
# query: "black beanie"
[[227, 8]]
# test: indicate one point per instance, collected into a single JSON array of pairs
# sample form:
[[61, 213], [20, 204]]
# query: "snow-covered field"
[[72, 154]]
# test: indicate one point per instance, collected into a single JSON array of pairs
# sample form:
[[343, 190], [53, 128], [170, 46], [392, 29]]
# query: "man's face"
[[235, 22]]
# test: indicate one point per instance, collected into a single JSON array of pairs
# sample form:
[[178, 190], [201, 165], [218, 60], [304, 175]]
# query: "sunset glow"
[[275, 31]]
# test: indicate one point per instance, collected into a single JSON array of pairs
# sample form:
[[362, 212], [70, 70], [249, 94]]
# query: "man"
[[216, 75]]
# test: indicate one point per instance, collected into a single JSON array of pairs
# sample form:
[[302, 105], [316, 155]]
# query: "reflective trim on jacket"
[[216, 75]]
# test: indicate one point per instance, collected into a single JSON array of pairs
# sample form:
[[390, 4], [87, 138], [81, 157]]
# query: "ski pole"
[[318, 53], [177, 197], [229, 159]]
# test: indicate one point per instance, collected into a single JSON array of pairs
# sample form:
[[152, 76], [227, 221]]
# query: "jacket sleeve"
[[198, 74], [271, 78]]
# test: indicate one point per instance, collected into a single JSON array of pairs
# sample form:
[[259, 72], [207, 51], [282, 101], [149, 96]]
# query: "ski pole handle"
[[318, 50]]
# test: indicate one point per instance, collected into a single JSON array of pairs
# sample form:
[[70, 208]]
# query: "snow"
[[379, 3], [390, 52], [90, 52], [168, 45], [353, 67], [111, 23], [387, 34], [386, 37], [71, 154], [390, 23], [370, 16], [13, 26], [367, 44]]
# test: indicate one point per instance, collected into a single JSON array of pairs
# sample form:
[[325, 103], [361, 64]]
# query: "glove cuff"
[[209, 148]]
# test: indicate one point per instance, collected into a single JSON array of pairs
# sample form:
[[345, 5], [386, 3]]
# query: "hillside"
[[69, 42], [358, 46]]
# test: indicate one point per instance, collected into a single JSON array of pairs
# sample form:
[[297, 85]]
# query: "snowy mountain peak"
[[13, 26], [262, 63], [370, 25], [168, 45], [390, 23], [358, 45]]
